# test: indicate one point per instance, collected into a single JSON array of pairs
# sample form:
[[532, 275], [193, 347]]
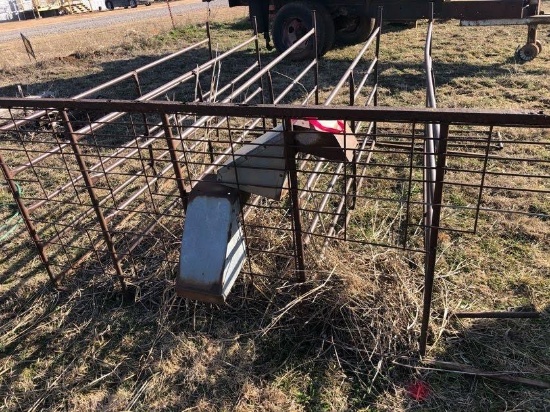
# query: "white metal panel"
[[212, 246], [258, 167]]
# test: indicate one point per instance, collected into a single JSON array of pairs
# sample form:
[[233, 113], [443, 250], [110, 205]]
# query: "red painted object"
[[418, 390]]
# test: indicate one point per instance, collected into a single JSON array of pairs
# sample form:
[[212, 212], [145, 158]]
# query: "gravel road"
[[12, 30]]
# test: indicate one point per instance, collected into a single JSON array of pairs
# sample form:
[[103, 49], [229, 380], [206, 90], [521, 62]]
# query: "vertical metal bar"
[[198, 87], [290, 155], [483, 174], [27, 219], [376, 66], [351, 89], [140, 93], [430, 259], [174, 158], [316, 45], [409, 192], [242, 196], [95, 201], [209, 37], [259, 61], [377, 53], [532, 33]]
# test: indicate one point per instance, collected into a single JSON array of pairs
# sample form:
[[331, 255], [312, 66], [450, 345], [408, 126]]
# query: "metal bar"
[[290, 155], [112, 82], [352, 66], [458, 116], [496, 315], [430, 259], [94, 200], [173, 156], [27, 219], [316, 59]]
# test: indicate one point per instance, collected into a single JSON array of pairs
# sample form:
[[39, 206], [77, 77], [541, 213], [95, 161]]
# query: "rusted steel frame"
[[490, 187], [290, 155], [268, 67], [27, 219], [433, 232], [364, 79], [374, 93], [500, 158], [139, 93], [221, 157], [483, 174], [496, 315], [431, 135], [316, 59], [351, 67], [294, 82], [241, 211], [96, 175], [429, 172], [147, 230], [370, 100], [112, 82], [259, 62], [347, 75], [532, 33], [148, 66], [174, 158], [410, 182], [94, 200], [503, 211], [209, 38], [198, 88], [455, 116], [119, 161], [491, 173], [358, 184], [323, 204], [98, 124], [363, 242]]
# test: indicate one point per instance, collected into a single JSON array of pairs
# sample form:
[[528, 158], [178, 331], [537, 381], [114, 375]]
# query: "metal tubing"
[[473, 117], [290, 155], [94, 200], [497, 315], [433, 232], [173, 156], [27, 219], [110, 83], [352, 66]]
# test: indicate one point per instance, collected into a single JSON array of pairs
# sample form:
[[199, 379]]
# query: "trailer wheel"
[[538, 43], [528, 52], [109, 5], [133, 4], [353, 29], [294, 20]]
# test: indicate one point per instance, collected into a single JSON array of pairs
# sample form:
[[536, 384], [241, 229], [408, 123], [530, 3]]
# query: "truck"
[[352, 21]]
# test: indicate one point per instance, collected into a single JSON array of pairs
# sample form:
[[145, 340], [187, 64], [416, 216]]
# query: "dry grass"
[[337, 343]]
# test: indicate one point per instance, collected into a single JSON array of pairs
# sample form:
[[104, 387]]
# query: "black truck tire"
[[353, 29], [294, 20]]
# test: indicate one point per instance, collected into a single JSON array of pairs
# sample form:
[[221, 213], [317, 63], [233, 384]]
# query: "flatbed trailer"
[[352, 21]]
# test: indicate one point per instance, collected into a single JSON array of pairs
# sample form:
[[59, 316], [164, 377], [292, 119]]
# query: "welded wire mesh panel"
[[112, 187], [495, 173]]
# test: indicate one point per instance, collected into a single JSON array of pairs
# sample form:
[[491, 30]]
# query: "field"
[[349, 342]]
